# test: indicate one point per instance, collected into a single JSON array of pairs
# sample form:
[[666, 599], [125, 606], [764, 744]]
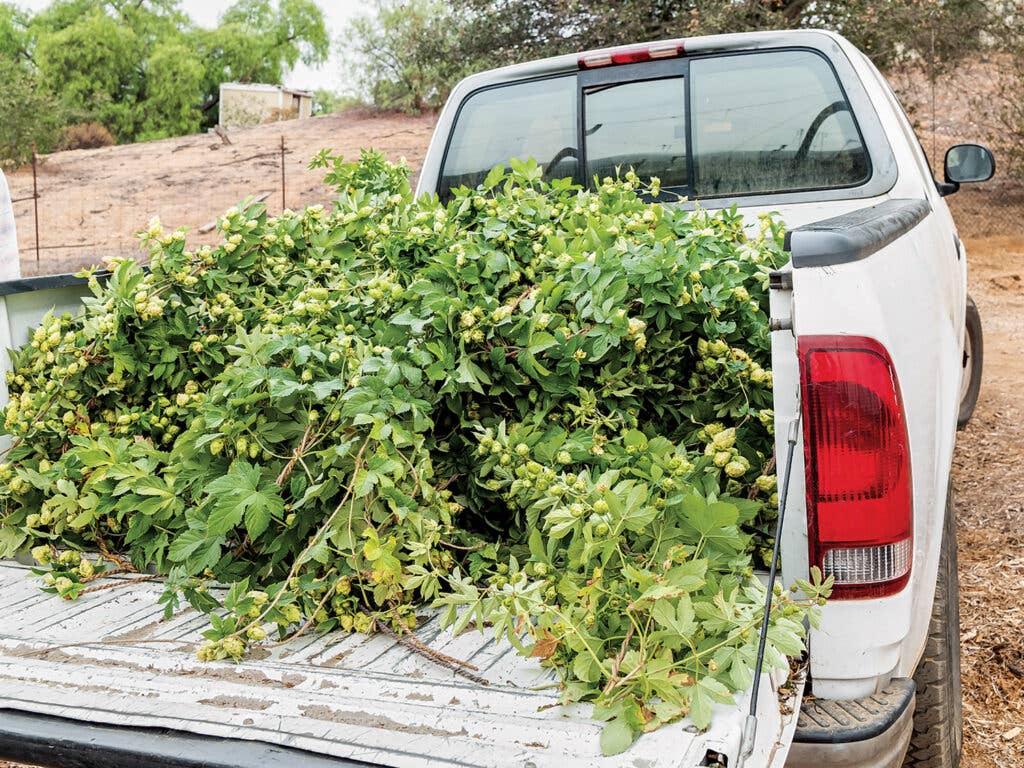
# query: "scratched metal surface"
[[111, 658]]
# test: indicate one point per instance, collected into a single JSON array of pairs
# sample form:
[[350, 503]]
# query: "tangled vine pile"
[[543, 409]]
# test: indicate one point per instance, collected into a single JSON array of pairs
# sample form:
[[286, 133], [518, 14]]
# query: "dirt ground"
[[988, 481], [989, 488], [93, 201]]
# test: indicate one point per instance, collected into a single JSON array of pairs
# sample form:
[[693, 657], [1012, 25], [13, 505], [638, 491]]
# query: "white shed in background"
[[246, 104]]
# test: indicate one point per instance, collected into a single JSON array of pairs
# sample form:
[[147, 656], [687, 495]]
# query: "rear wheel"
[[938, 711], [970, 381]]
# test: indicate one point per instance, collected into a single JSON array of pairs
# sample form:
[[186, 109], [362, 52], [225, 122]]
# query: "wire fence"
[[75, 209], [992, 210]]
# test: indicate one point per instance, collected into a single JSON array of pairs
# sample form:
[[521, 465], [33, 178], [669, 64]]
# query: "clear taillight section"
[[868, 565], [857, 456], [632, 55]]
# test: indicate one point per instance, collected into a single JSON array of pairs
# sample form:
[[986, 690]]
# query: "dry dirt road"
[[988, 479]]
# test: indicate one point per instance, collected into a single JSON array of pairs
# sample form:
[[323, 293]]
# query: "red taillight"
[[857, 455], [632, 55]]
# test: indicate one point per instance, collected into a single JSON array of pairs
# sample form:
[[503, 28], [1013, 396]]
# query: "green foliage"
[[286, 31], [328, 102], [547, 410], [92, 65], [408, 55], [174, 83], [14, 36], [142, 69], [27, 114]]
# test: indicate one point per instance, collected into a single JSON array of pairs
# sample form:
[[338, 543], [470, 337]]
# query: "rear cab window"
[[639, 124], [522, 120], [722, 126], [772, 122]]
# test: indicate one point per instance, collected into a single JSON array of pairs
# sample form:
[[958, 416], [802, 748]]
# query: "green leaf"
[[322, 389], [471, 374], [281, 387], [679, 618], [11, 540], [585, 668], [536, 543], [185, 544], [494, 177], [689, 575], [700, 707], [616, 737], [240, 495]]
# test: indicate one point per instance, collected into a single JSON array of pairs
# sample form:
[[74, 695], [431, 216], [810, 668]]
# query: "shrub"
[[279, 114], [86, 136]]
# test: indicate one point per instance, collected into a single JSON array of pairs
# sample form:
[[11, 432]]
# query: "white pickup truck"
[[876, 357]]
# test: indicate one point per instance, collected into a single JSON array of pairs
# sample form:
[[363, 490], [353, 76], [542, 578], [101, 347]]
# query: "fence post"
[[283, 195], [35, 201]]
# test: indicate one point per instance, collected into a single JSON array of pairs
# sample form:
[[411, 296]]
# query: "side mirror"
[[965, 164]]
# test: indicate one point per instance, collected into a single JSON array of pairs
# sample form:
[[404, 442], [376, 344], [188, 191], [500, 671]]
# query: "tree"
[[286, 32], [408, 54], [143, 70], [14, 35], [890, 31], [93, 65], [28, 115], [174, 91]]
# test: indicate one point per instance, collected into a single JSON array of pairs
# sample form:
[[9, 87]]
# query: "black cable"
[[750, 726]]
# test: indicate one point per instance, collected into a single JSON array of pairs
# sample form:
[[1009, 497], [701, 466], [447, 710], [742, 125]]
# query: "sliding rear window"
[[755, 123], [639, 124]]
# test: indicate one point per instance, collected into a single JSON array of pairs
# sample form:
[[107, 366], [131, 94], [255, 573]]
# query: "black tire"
[[972, 364], [938, 711]]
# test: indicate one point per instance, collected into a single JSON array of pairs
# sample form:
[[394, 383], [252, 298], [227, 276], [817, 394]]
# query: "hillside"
[[93, 201]]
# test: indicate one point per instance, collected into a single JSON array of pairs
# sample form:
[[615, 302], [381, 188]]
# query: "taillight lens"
[[632, 55], [857, 456]]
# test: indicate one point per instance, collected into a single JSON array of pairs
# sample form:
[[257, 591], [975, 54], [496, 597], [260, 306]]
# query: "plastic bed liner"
[[110, 659]]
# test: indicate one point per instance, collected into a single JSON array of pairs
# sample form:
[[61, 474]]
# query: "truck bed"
[[109, 657]]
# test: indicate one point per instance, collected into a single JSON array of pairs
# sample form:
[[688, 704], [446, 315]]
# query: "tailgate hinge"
[[780, 281]]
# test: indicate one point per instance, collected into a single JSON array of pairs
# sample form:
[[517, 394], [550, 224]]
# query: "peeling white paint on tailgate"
[[110, 658]]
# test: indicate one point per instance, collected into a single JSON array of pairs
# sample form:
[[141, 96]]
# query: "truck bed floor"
[[109, 657]]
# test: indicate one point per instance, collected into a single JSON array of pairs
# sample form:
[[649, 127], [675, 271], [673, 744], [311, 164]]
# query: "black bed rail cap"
[[854, 235]]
